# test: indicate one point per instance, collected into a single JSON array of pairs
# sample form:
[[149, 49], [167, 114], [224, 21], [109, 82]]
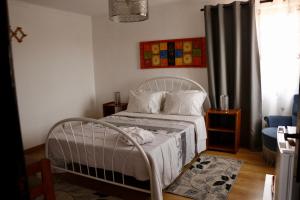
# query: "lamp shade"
[[128, 10]]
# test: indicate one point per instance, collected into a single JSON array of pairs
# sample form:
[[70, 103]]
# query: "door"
[[12, 158]]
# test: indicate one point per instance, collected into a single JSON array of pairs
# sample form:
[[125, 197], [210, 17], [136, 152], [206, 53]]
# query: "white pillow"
[[184, 102], [145, 102]]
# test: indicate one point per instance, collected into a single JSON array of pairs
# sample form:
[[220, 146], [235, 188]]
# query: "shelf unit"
[[223, 129]]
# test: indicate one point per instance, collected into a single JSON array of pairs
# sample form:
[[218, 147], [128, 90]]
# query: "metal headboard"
[[172, 83]]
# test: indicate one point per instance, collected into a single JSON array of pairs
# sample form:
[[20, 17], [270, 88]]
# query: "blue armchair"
[[269, 134]]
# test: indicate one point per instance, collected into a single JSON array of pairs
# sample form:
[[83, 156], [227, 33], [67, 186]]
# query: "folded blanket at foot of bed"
[[139, 135]]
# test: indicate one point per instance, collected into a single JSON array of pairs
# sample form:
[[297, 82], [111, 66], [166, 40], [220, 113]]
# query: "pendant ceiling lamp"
[[128, 10]]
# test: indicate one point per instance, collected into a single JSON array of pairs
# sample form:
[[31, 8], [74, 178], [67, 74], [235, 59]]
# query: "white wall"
[[116, 46], [53, 68]]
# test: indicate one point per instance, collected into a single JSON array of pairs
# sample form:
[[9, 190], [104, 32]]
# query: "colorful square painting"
[[188, 52]]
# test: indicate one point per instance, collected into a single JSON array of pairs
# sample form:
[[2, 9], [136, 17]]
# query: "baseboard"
[[34, 149]]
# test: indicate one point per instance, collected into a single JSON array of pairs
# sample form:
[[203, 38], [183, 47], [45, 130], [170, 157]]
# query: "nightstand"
[[223, 129], [110, 108]]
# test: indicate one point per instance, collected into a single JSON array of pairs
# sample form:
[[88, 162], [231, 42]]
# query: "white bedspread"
[[174, 145], [198, 121]]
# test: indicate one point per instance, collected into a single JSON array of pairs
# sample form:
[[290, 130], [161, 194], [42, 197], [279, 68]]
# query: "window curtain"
[[233, 64], [278, 25]]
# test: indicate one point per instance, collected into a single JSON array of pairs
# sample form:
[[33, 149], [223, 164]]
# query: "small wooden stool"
[[45, 186]]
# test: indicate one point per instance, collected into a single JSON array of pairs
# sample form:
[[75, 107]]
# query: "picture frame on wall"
[[175, 53]]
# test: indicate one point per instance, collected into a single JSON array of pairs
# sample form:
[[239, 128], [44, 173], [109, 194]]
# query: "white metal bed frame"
[[165, 83]]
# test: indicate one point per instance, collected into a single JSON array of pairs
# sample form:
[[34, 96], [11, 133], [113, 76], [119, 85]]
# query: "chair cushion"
[[278, 120], [269, 136]]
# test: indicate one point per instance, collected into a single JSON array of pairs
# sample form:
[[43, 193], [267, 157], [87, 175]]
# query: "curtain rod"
[[262, 1]]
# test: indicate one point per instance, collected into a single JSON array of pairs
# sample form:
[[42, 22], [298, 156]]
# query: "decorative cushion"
[[269, 136], [145, 102], [184, 102]]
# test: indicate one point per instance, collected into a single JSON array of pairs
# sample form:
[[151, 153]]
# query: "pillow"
[[145, 102], [184, 102]]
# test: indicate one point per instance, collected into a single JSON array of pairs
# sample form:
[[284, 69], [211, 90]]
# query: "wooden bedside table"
[[223, 129], [110, 108]]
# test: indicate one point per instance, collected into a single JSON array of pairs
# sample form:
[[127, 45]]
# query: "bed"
[[95, 148]]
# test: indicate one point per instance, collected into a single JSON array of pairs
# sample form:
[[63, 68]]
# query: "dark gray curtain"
[[233, 64]]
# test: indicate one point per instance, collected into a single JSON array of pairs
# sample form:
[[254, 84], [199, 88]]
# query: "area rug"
[[208, 178], [67, 191]]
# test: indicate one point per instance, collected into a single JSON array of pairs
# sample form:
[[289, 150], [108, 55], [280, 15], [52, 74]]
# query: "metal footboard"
[[81, 145]]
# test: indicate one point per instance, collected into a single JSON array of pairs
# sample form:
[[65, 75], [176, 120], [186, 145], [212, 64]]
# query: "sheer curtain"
[[278, 25]]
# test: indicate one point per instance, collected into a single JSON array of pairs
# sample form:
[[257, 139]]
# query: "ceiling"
[[87, 7]]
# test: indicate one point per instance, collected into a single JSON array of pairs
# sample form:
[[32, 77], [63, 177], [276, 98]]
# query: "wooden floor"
[[249, 183]]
